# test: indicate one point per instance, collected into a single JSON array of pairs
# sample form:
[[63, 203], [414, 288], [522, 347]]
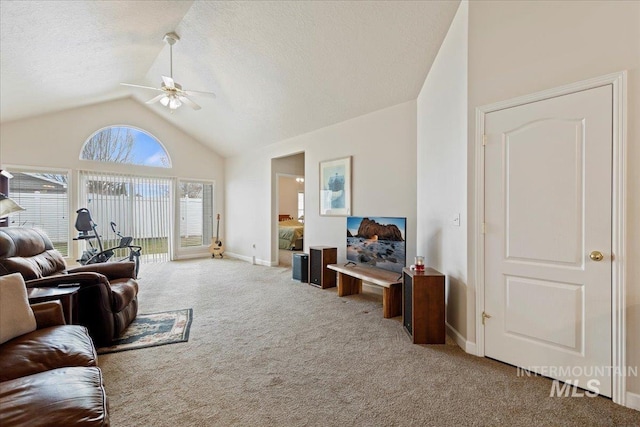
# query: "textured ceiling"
[[279, 69]]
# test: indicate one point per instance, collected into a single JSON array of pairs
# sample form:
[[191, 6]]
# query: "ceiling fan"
[[173, 96]]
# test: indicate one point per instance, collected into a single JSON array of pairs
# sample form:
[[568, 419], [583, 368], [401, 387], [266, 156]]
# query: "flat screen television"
[[377, 241]]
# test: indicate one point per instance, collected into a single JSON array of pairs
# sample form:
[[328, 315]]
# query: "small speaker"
[[316, 267], [301, 267], [319, 274]]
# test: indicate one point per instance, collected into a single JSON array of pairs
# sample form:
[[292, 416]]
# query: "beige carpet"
[[285, 257], [265, 350]]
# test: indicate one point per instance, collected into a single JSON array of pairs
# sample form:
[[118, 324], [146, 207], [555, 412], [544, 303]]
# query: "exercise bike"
[[96, 253]]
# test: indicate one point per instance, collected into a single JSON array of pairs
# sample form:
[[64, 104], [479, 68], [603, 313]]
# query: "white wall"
[[284, 171], [442, 169], [382, 145], [288, 189], [55, 140], [402, 153], [516, 48], [290, 165]]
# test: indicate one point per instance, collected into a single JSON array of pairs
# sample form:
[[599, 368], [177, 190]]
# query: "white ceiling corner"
[[279, 69]]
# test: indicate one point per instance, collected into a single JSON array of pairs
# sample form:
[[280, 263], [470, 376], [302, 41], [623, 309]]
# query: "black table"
[[68, 296]]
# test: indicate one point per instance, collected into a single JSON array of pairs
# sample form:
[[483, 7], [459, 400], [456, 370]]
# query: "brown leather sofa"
[[108, 295], [49, 377]]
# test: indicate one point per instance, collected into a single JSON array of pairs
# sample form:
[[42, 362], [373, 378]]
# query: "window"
[[140, 206], [196, 213], [125, 144], [301, 206], [45, 197]]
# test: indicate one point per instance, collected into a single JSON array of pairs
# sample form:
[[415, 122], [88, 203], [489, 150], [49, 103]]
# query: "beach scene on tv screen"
[[377, 242]]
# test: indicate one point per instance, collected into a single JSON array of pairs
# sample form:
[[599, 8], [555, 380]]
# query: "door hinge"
[[485, 316], [484, 140], [483, 228]]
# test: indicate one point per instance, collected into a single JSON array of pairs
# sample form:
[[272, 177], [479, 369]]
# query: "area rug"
[[150, 330]]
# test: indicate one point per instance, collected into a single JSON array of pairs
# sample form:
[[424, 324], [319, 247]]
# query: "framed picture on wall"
[[335, 187]]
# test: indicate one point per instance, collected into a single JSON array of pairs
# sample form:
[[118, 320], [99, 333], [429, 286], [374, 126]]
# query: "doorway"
[[550, 288], [288, 208]]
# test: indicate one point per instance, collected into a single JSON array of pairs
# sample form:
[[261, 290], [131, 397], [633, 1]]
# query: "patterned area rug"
[[150, 330]]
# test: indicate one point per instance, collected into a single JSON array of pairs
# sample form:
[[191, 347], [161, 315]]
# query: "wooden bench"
[[350, 282]]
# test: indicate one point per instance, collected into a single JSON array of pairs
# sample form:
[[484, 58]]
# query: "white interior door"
[[548, 177]]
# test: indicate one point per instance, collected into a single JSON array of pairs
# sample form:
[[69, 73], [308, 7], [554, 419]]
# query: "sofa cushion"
[[16, 316], [44, 349], [28, 251], [35, 267], [23, 242], [72, 396]]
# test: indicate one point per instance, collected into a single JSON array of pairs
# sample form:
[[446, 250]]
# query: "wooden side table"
[[350, 282], [68, 296], [423, 305]]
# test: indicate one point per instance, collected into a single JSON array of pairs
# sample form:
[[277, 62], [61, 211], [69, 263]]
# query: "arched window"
[[125, 144]]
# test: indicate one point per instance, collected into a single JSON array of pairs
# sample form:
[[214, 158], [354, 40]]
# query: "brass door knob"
[[596, 256]]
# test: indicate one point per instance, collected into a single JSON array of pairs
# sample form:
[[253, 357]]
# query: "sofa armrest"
[[90, 283], [48, 314], [113, 270], [82, 279]]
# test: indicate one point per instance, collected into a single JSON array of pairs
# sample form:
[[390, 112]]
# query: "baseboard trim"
[[194, 255], [471, 348], [250, 260], [632, 401], [467, 346], [457, 337]]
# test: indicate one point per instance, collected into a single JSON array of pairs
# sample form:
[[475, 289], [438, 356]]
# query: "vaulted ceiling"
[[279, 68]]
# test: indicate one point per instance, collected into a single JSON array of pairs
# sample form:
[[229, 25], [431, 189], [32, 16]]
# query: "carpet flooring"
[[265, 350], [285, 257]]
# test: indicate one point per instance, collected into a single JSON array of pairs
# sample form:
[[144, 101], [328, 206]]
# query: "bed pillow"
[[16, 316]]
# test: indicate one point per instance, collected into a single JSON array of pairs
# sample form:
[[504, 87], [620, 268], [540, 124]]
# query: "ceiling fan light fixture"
[[173, 96], [174, 103]]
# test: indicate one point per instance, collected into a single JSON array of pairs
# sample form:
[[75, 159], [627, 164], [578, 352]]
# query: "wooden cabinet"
[[319, 258], [423, 306]]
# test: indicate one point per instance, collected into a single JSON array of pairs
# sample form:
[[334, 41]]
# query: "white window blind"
[[44, 195], [140, 206], [196, 213], [300, 206]]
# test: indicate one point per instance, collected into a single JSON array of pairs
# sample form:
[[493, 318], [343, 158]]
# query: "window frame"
[[164, 148], [301, 193], [180, 251], [15, 168], [131, 179]]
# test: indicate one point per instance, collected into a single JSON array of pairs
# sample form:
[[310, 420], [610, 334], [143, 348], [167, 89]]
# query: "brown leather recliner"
[[108, 295], [50, 377]]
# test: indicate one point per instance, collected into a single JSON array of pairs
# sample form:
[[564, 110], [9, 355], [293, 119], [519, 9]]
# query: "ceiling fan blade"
[[168, 82], [189, 102], [140, 86], [200, 93], [156, 99]]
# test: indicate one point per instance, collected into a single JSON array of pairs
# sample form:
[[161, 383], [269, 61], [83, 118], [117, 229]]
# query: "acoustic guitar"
[[216, 247]]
